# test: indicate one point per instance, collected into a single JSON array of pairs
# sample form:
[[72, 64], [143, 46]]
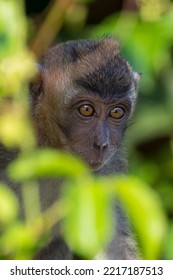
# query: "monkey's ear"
[[35, 86], [137, 76]]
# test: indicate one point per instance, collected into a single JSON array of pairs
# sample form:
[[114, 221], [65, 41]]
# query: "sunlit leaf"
[[15, 126], [8, 205], [46, 163], [12, 27], [76, 17], [18, 242], [14, 71], [152, 10], [88, 225], [16, 63]]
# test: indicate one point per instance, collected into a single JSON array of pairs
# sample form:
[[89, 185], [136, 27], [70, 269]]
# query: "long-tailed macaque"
[[82, 102]]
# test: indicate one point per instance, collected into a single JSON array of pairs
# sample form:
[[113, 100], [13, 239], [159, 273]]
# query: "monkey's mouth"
[[96, 165]]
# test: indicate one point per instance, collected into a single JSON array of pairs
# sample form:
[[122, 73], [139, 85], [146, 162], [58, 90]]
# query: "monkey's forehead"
[[72, 51], [107, 78], [94, 65]]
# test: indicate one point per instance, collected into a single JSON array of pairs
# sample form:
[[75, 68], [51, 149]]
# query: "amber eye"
[[117, 113], [86, 110]]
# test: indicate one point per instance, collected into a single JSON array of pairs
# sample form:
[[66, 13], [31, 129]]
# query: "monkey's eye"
[[86, 110], [117, 113]]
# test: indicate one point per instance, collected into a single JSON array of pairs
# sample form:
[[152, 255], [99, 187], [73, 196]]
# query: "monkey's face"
[[84, 98], [88, 125], [94, 127]]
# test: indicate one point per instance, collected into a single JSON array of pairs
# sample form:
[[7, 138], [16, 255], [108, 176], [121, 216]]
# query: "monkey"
[[82, 102]]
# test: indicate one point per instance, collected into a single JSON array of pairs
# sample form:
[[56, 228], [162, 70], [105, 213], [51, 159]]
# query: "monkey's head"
[[83, 99]]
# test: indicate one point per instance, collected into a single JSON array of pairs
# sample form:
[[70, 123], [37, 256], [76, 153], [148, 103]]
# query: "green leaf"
[[46, 163], [12, 27], [88, 227], [18, 242], [8, 205], [144, 208], [169, 244]]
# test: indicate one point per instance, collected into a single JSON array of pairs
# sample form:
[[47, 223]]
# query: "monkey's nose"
[[101, 148], [101, 143]]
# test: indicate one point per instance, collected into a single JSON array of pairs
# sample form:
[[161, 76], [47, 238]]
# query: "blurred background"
[[145, 32]]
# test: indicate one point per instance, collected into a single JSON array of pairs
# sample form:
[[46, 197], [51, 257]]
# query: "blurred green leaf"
[[46, 163], [144, 208], [88, 226], [15, 126], [154, 123], [12, 27], [8, 205], [168, 250], [16, 63], [18, 242]]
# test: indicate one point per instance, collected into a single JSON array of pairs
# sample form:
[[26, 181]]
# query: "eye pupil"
[[117, 113], [86, 110]]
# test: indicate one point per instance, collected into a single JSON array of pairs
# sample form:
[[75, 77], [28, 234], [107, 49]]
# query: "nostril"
[[101, 139], [104, 145], [101, 145]]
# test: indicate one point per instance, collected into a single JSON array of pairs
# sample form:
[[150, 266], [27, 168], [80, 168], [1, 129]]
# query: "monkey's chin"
[[95, 166]]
